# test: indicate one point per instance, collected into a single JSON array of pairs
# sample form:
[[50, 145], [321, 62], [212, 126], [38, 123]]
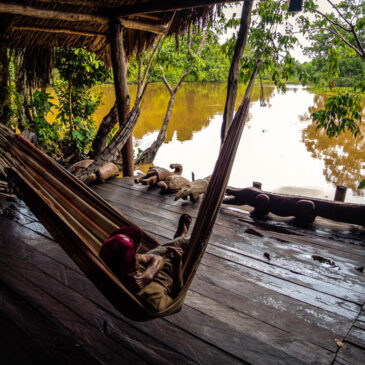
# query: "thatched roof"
[[38, 26]]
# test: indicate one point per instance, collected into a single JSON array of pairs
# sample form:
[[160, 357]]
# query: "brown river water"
[[280, 146]]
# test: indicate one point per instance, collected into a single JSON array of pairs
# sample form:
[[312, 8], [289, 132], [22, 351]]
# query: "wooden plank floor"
[[241, 307]]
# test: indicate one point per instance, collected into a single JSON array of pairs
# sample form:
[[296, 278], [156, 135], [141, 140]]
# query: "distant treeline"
[[214, 63], [352, 70]]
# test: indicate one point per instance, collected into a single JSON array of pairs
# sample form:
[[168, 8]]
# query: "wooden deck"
[[241, 308]]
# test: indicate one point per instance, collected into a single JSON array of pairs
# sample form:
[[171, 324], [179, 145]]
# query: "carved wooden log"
[[156, 174], [193, 190], [118, 141], [303, 208], [173, 184]]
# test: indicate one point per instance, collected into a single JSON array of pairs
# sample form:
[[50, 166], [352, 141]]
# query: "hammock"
[[80, 220]]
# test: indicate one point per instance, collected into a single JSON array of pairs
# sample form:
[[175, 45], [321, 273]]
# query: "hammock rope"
[[80, 220]]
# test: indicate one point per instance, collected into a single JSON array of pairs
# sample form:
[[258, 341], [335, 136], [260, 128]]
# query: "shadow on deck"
[[259, 296]]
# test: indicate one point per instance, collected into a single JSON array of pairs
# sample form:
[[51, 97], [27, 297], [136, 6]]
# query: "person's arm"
[[176, 260], [154, 264]]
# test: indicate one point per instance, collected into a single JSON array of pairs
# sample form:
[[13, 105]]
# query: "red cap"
[[119, 251]]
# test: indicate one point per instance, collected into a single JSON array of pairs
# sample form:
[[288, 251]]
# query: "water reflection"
[[280, 146], [343, 156], [194, 108]]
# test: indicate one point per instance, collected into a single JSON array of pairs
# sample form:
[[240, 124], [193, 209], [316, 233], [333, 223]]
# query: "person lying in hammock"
[[154, 277]]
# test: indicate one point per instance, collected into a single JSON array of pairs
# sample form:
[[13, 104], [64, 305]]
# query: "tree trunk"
[[106, 126], [111, 151], [21, 89], [127, 157], [122, 96], [232, 86], [4, 86], [149, 154], [69, 82], [111, 119]]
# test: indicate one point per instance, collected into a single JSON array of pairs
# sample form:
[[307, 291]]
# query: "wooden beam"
[[153, 28], [147, 16], [157, 7], [76, 17], [57, 30], [91, 4], [147, 27], [51, 14], [119, 62]]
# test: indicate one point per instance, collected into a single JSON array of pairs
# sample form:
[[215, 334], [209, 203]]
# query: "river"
[[280, 146]]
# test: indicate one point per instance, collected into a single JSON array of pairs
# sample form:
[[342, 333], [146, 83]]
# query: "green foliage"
[[271, 41], [139, 152], [337, 49], [80, 134], [79, 71], [342, 112], [73, 130], [211, 66], [361, 185], [48, 134], [80, 67]]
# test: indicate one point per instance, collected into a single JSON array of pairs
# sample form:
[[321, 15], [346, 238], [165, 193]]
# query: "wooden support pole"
[[122, 96], [340, 193]]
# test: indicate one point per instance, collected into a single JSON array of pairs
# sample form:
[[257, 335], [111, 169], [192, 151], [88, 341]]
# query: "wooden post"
[[257, 185], [340, 193], [122, 96]]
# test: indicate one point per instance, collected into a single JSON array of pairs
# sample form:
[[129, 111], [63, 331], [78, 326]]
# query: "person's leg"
[[183, 226]]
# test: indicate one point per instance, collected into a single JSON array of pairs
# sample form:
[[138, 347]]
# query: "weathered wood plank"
[[71, 280], [305, 321], [267, 342], [94, 341], [299, 292], [15, 346], [225, 219], [269, 308], [360, 324], [285, 256], [88, 312], [158, 331], [316, 237], [357, 337], [303, 277], [361, 316], [344, 275], [55, 343], [288, 297], [351, 354]]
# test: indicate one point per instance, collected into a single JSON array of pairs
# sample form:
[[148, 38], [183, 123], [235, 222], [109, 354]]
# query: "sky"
[[324, 6]]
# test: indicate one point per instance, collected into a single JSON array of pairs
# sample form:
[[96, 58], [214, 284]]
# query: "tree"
[[334, 37], [189, 63], [79, 71], [142, 66]]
